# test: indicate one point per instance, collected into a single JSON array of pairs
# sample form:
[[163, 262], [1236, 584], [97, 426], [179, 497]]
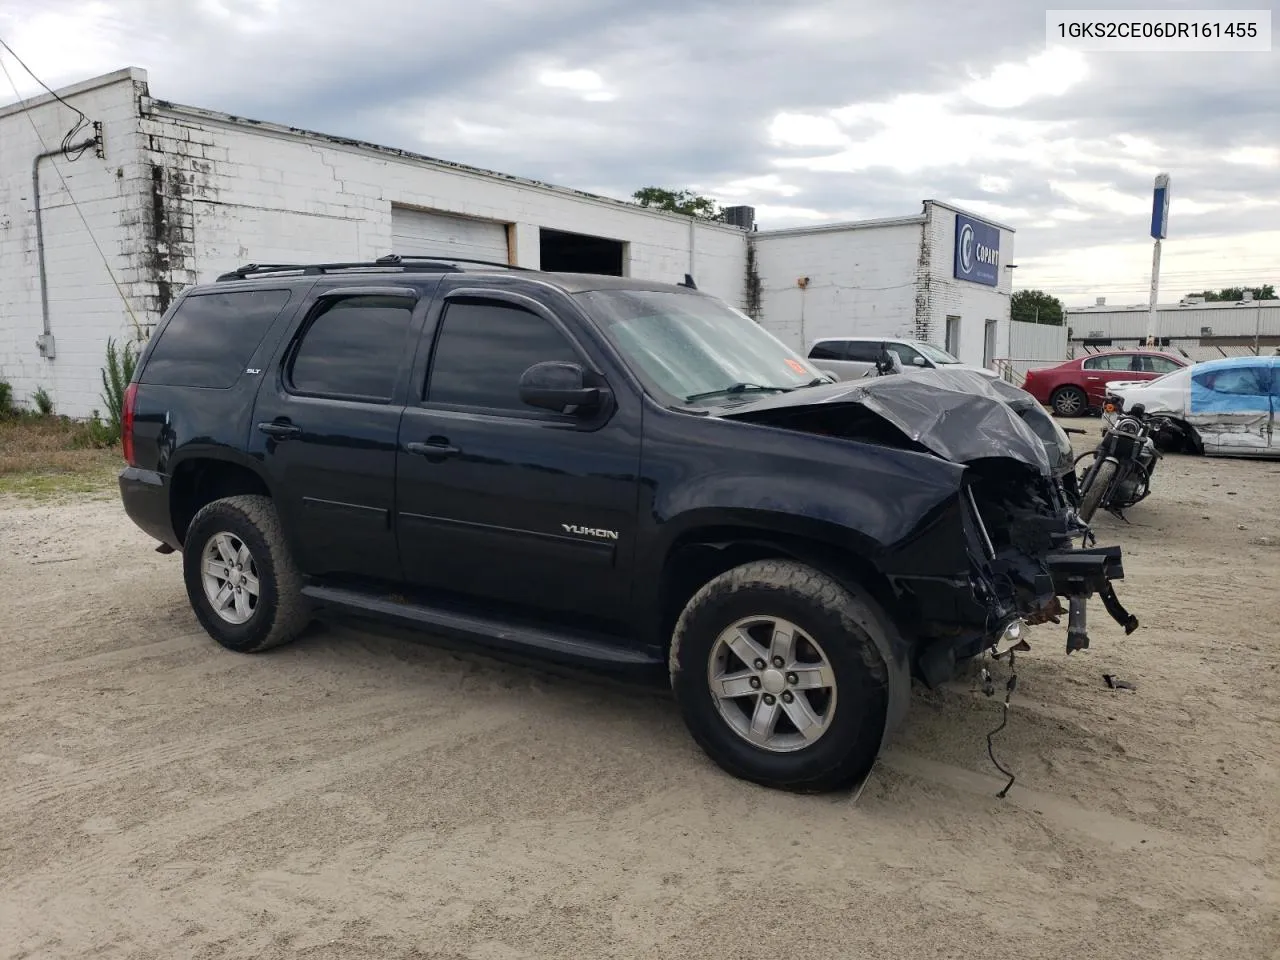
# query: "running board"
[[562, 646]]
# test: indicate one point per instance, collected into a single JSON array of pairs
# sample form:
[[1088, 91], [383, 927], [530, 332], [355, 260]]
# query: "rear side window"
[[863, 351], [829, 350], [1110, 361], [210, 338], [353, 349]]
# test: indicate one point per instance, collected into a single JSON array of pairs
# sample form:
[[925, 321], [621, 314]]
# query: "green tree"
[[1265, 292], [678, 201], [1036, 306]]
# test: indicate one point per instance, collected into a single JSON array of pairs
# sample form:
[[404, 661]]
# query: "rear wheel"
[[1095, 487], [1069, 402], [778, 677], [241, 580]]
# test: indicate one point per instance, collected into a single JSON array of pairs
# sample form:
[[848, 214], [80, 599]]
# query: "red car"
[[1074, 388]]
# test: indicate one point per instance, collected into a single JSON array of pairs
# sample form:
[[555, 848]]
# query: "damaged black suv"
[[597, 471]]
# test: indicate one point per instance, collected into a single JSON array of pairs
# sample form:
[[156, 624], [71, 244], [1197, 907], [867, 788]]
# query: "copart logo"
[[966, 248]]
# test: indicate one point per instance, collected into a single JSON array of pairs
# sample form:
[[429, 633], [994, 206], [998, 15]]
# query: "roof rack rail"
[[395, 258], [407, 264]]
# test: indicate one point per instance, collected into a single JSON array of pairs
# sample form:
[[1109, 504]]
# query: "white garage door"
[[441, 235]]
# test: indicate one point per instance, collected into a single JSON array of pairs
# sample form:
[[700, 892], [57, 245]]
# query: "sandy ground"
[[359, 797]]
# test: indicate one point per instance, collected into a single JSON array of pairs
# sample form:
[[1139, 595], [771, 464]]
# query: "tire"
[[834, 621], [279, 612], [1091, 496], [1069, 402]]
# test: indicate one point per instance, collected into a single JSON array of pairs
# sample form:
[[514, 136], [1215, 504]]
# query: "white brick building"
[[893, 278], [172, 195]]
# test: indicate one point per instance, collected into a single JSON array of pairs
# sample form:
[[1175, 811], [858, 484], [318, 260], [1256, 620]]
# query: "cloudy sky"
[[811, 111]]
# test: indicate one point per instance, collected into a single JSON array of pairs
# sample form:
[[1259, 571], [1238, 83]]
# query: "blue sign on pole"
[[1160, 208], [977, 251]]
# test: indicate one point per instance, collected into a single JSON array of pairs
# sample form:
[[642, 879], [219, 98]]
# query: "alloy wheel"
[[772, 684]]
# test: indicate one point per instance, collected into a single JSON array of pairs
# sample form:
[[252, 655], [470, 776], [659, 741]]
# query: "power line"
[[81, 120], [66, 143]]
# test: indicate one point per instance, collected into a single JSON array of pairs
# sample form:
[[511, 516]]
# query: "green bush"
[[43, 402], [115, 378], [93, 434], [6, 400]]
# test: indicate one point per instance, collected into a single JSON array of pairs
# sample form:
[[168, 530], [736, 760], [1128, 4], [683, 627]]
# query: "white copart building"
[[156, 196], [900, 277], [174, 195]]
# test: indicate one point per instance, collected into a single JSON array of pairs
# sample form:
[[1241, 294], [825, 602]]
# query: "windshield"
[[933, 353], [1169, 379], [696, 348]]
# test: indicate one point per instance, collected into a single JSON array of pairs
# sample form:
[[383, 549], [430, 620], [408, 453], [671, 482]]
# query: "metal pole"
[[1155, 294]]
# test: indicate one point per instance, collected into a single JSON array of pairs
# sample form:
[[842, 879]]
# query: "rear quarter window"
[[211, 337]]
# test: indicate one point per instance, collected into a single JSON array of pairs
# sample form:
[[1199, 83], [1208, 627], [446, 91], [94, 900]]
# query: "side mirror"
[[559, 386], [920, 361]]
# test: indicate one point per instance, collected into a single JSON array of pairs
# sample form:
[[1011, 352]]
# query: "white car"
[[1225, 407], [848, 358]]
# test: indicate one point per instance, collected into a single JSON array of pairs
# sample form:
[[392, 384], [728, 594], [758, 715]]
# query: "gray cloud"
[[695, 87]]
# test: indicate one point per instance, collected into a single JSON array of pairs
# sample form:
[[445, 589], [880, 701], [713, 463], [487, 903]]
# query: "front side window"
[[484, 347], [695, 348], [1240, 381], [907, 356], [936, 354], [353, 349]]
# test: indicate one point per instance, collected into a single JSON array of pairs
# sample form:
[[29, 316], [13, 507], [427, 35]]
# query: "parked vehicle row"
[[1078, 387]]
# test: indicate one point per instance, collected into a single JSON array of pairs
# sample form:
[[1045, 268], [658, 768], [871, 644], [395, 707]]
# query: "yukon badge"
[[590, 531]]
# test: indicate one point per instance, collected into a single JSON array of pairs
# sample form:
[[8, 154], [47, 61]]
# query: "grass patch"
[[43, 457]]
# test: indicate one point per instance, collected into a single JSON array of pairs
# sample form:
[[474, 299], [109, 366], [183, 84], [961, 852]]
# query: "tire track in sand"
[[208, 815]]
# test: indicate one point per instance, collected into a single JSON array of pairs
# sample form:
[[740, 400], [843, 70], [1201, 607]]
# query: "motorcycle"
[[1120, 474]]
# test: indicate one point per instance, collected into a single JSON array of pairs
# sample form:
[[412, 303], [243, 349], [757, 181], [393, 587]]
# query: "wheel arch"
[[201, 477], [700, 554]]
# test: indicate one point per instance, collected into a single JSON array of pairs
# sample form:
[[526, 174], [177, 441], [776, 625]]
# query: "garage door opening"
[[563, 252]]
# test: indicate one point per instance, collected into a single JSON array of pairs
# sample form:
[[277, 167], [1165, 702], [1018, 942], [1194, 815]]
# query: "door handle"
[[281, 431], [436, 448]]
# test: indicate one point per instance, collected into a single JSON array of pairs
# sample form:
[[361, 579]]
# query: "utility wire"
[[82, 121], [66, 143]]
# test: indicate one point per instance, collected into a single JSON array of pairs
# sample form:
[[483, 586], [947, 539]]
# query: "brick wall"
[[862, 280], [84, 305]]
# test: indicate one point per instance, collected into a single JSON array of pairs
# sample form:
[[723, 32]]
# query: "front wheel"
[[1095, 488], [778, 677]]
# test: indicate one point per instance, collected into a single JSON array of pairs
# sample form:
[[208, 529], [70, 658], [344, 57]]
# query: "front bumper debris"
[[1078, 575]]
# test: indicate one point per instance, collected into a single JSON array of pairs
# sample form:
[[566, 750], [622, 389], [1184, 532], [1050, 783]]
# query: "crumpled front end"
[[1001, 551], [1027, 529]]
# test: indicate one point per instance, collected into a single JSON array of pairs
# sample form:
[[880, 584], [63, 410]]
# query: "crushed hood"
[[959, 415]]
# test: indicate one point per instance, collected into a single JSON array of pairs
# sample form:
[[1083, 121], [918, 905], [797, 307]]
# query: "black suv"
[[597, 471]]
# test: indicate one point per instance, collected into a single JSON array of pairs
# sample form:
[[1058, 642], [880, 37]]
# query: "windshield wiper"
[[819, 381], [736, 388]]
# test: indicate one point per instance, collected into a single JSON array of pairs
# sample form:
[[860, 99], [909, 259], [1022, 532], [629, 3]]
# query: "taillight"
[[126, 422]]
